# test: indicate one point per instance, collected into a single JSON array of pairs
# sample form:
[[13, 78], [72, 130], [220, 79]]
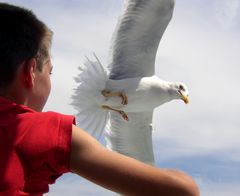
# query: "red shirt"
[[34, 149]]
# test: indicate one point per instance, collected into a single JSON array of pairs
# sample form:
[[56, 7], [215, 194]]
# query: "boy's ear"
[[29, 72]]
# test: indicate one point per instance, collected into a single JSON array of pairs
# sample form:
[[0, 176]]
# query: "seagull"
[[118, 100]]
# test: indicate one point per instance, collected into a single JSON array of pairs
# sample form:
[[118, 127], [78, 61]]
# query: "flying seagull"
[[119, 100]]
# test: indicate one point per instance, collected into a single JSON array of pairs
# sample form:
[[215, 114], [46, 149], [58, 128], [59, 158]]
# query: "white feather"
[[136, 37], [87, 98], [133, 138]]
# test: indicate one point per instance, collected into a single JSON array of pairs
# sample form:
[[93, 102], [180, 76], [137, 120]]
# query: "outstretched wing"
[[137, 37], [133, 138]]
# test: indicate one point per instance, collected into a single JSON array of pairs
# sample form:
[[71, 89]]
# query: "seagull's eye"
[[181, 87]]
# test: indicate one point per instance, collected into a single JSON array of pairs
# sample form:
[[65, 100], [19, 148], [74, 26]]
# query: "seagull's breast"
[[144, 94]]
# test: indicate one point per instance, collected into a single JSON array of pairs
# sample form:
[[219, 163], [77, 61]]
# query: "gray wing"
[[137, 36], [133, 138]]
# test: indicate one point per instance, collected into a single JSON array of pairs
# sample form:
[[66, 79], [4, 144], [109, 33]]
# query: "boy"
[[37, 147]]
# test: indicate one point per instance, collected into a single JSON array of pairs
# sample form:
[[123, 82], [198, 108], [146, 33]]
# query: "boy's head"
[[24, 40], [22, 37]]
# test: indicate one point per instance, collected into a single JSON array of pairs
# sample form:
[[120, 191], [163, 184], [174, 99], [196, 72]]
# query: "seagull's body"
[[129, 87], [143, 93]]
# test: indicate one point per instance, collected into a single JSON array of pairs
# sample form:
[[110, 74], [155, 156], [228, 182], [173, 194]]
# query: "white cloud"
[[75, 186], [227, 12], [220, 189]]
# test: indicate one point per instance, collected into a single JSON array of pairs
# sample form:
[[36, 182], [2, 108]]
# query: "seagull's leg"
[[122, 95], [122, 113]]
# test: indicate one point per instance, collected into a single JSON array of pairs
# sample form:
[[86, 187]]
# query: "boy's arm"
[[122, 174]]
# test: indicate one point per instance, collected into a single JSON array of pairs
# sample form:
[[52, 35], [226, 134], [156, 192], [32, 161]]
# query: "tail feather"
[[86, 99]]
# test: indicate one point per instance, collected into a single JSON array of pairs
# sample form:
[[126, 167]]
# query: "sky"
[[200, 48]]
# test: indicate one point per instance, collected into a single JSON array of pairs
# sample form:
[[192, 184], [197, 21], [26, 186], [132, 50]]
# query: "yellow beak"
[[185, 98]]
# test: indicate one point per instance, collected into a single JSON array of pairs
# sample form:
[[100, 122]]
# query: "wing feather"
[[133, 138], [137, 36]]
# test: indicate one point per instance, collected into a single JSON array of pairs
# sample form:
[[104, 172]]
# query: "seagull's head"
[[180, 91]]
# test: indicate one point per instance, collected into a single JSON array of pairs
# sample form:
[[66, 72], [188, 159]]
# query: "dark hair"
[[22, 37]]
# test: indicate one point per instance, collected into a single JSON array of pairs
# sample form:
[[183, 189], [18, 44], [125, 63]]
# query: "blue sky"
[[200, 47]]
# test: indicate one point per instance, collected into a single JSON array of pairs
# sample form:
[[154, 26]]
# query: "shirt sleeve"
[[62, 133], [48, 140], [63, 148]]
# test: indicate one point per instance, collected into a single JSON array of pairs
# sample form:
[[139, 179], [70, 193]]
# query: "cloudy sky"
[[200, 47]]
